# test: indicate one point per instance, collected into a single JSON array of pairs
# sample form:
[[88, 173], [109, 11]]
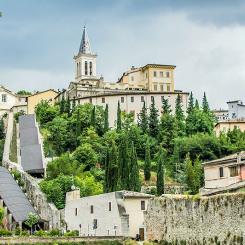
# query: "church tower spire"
[[85, 44], [85, 60]]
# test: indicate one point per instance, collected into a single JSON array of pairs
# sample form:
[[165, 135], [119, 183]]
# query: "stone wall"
[[177, 219]]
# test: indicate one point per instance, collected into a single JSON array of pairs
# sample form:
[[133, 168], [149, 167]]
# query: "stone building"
[[118, 213], [224, 174], [133, 88]]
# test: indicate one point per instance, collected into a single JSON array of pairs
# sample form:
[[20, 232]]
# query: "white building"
[[118, 213], [236, 109], [11, 101]]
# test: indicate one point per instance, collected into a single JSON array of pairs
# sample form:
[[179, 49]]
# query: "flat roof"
[[13, 197]]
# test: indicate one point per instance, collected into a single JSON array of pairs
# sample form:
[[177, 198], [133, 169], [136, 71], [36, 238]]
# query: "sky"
[[204, 39]]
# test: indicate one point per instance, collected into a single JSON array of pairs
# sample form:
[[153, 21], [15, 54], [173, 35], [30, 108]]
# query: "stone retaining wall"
[[186, 220]]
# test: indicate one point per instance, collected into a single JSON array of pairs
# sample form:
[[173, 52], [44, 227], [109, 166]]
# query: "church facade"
[[146, 83]]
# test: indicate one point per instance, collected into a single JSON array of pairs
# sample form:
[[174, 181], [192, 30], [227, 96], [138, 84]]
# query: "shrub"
[[72, 233], [4, 233]]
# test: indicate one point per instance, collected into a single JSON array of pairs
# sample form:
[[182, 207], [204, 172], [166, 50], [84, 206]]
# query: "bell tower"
[[85, 60]]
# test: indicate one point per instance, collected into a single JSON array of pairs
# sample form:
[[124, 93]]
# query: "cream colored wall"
[[136, 215], [135, 106], [213, 180], [226, 126], [37, 98]]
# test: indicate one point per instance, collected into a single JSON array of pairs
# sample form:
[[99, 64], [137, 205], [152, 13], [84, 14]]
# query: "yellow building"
[[33, 100], [151, 77], [225, 126]]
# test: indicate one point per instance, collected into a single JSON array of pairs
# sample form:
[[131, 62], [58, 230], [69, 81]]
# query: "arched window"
[[86, 68], [90, 68], [77, 69]]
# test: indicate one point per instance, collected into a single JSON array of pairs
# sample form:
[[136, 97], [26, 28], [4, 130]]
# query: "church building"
[[135, 86]]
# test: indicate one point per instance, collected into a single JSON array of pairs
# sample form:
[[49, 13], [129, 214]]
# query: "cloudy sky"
[[204, 39]]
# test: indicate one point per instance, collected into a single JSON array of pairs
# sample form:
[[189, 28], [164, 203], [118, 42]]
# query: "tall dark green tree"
[[93, 117], [179, 116], [123, 162], [190, 119], [166, 108], [119, 117], [143, 119], [78, 126], [68, 106], [106, 119], [160, 172], [106, 166], [153, 120], [73, 103], [147, 165], [205, 105], [2, 131], [197, 107], [134, 180], [62, 104], [190, 107]]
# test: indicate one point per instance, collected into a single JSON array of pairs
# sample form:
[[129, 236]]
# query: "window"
[[155, 74], [90, 100], [109, 206], [75, 211], [146, 75], [161, 87], [152, 98], [142, 99], [132, 78], [167, 74], [95, 224], [90, 68], [233, 171], [161, 73], [142, 205], [4, 98], [221, 172], [91, 209], [122, 99], [168, 88], [103, 100], [132, 99], [155, 87], [86, 68]]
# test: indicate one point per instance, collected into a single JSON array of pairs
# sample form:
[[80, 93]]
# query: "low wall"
[[177, 219], [61, 240]]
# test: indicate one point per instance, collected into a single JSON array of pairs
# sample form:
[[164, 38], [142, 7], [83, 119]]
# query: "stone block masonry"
[[178, 219]]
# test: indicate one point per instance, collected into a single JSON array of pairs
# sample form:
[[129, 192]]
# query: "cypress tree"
[[106, 119], [113, 168], [93, 117], [134, 180], [190, 107], [197, 105], [160, 172], [153, 120], [147, 165], [190, 119], [166, 108], [106, 166], [73, 103], [68, 106], [119, 117], [179, 116], [205, 105], [62, 104], [189, 174], [78, 125], [2, 133], [143, 119], [123, 160]]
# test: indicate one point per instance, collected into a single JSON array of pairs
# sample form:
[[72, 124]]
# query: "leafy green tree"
[[73, 103], [32, 219], [127, 120], [153, 120], [68, 106], [199, 176], [86, 155], [45, 112], [93, 117], [160, 172], [119, 119], [123, 162], [179, 117], [107, 176], [134, 180], [106, 121], [143, 119], [189, 174], [78, 126], [147, 165], [1, 216], [23, 92]]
